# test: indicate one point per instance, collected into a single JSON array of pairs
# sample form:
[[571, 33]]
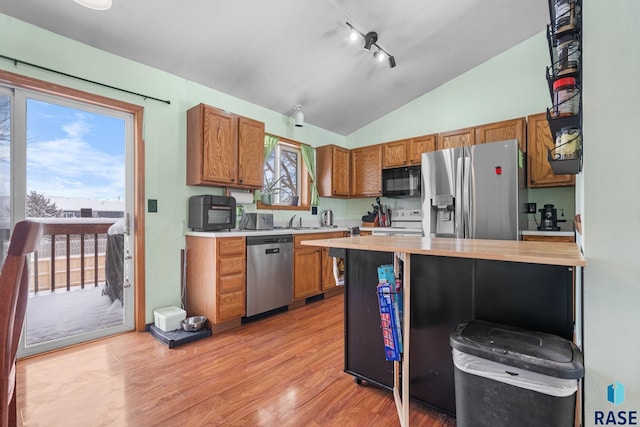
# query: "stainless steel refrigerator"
[[474, 192]]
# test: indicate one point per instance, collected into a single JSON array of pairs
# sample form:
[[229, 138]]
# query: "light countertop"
[[554, 253], [275, 231]]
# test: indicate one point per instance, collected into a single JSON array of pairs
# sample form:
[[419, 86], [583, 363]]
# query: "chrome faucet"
[[291, 221]]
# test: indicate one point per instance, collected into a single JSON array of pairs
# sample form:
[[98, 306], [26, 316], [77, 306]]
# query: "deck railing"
[[72, 253]]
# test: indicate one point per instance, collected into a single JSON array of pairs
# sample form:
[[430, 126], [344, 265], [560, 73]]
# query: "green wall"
[[508, 86], [607, 197], [164, 133]]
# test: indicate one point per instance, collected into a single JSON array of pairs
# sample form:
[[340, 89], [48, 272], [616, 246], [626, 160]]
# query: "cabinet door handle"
[[233, 179]]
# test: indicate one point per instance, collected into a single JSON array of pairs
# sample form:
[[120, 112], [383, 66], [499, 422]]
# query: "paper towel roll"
[[242, 197]]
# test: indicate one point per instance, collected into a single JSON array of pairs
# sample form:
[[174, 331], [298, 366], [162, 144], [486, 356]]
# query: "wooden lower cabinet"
[[306, 272], [312, 266], [536, 238], [215, 278]]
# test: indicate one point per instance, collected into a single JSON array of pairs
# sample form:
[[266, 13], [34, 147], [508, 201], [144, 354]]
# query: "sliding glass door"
[[71, 169]]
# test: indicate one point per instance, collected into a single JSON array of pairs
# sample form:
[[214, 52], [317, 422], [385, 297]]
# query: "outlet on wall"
[[531, 208]]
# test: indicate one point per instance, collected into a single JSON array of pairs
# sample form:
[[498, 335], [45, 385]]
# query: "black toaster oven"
[[211, 213]]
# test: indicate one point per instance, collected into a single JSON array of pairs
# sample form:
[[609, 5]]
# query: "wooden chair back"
[[14, 284]]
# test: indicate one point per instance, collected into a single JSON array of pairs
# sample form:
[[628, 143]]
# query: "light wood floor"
[[285, 370]]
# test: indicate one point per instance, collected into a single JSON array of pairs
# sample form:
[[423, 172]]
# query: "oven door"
[[401, 182], [415, 232]]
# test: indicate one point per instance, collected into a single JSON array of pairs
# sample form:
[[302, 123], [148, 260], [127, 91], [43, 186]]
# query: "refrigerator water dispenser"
[[444, 209]]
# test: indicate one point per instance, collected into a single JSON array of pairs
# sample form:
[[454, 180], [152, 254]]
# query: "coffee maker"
[[548, 219]]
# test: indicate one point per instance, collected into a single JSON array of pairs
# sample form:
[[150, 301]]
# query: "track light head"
[[379, 55], [370, 39], [392, 62]]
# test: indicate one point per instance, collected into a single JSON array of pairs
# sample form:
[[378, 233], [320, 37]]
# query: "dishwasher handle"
[[272, 251]]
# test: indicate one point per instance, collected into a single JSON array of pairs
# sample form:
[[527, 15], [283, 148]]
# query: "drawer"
[[231, 283], [231, 306], [538, 238], [231, 246], [231, 265]]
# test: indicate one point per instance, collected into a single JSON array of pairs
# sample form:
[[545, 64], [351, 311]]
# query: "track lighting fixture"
[[371, 39]]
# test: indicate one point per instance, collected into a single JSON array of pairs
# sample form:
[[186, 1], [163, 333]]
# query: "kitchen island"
[[535, 285]]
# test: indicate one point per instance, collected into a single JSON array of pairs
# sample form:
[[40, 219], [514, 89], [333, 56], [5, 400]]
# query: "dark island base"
[[445, 292]]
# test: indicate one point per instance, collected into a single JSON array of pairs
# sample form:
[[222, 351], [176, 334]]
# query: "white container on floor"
[[168, 318]]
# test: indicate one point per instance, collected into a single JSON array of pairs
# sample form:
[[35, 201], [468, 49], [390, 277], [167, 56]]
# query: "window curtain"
[[270, 143], [310, 163]]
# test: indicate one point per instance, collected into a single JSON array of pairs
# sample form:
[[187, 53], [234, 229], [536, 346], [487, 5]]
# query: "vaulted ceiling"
[[279, 53]]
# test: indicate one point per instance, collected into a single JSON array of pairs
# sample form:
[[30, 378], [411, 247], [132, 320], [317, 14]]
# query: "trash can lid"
[[522, 348]]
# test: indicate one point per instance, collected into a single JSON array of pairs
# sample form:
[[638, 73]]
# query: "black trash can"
[[508, 376]]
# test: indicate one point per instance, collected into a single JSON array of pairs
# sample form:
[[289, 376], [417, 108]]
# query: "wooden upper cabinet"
[[539, 140], [419, 145], [366, 171], [406, 152], [223, 149], [250, 152], [332, 171], [500, 131], [456, 138], [395, 153], [212, 148]]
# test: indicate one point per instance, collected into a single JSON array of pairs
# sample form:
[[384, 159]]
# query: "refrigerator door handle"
[[458, 202], [466, 202]]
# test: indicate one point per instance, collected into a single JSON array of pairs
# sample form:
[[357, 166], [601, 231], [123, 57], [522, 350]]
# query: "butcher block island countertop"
[[532, 258], [567, 254]]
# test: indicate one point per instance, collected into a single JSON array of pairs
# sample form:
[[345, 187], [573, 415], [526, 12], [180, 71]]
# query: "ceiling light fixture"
[[298, 116], [371, 39], [95, 4]]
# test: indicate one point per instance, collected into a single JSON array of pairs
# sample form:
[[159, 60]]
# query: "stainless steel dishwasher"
[[269, 273]]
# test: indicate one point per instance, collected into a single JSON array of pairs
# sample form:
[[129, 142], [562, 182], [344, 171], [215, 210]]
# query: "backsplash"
[[562, 199]]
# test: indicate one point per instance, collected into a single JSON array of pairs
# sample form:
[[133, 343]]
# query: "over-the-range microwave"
[[404, 181]]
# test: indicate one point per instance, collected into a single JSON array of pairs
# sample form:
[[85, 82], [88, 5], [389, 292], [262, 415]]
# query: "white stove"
[[404, 222]]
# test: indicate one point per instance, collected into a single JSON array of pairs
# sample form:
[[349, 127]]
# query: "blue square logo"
[[615, 393]]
